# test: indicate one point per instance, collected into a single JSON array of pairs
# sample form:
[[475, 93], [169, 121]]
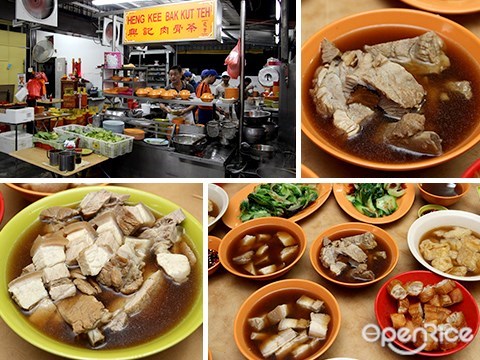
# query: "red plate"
[[386, 305]]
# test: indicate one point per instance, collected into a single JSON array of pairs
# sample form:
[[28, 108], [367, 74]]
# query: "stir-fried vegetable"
[[282, 200], [375, 200]]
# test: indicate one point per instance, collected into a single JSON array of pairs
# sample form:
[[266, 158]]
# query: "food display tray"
[[101, 147]]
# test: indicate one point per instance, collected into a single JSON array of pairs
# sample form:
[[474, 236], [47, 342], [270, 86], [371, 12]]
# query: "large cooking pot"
[[258, 151], [254, 134], [256, 117], [189, 143]]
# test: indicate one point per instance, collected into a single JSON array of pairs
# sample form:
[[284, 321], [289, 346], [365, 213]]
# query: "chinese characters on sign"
[[186, 21]]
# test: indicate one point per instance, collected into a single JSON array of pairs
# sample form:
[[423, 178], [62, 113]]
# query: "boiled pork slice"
[[460, 87], [48, 251], [132, 218], [286, 349], [329, 51], [141, 299], [45, 314], [122, 274], [55, 272], [366, 241], [83, 313], [58, 214], [62, 289], [423, 53], [118, 322], [93, 258], [28, 290], [175, 266], [275, 342], [409, 134], [93, 202], [80, 236], [319, 325], [88, 287], [175, 217]]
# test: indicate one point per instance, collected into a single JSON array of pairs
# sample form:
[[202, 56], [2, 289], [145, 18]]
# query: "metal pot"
[[258, 151], [115, 112], [271, 131], [256, 117], [254, 135], [189, 143]]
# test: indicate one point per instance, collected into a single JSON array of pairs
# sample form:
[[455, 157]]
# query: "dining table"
[[227, 292], [38, 157], [188, 196], [316, 14]]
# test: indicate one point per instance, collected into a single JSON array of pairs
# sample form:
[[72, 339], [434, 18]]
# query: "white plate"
[[155, 141]]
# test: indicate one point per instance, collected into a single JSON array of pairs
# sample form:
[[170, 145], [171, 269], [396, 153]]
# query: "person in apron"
[[178, 110]]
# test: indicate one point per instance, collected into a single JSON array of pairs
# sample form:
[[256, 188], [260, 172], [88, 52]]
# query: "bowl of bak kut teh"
[[287, 319], [263, 248], [392, 89], [88, 275], [354, 254]]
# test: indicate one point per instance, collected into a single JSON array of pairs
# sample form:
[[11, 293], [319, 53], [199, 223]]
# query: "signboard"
[[181, 21]]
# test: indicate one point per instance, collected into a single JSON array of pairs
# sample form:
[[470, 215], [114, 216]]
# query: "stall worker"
[[220, 89], [178, 110], [189, 79], [205, 113]]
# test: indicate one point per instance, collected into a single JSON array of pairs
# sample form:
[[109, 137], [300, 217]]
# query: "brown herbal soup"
[[164, 312], [266, 252], [296, 312], [443, 189], [453, 120], [377, 261]]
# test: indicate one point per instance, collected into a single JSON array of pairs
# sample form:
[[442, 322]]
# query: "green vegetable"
[[375, 200], [45, 135], [281, 200]]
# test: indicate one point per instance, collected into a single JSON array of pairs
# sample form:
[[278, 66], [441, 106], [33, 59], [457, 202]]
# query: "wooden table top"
[[318, 13], [227, 292], [187, 196], [38, 157]]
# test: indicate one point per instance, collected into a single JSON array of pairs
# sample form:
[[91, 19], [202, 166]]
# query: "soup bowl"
[[377, 23], [435, 220], [443, 200], [231, 242], [218, 196], [274, 294], [336, 232], [19, 323]]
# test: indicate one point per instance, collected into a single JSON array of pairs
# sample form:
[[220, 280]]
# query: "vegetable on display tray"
[[101, 141]]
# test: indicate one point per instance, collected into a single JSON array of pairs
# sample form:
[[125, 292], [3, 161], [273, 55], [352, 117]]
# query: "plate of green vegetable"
[[378, 203], [291, 201]]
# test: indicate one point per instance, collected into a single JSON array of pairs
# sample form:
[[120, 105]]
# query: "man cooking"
[[178, 110]]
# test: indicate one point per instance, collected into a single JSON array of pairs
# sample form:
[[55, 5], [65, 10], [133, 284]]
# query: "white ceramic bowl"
[[219, 197], [438, 219]]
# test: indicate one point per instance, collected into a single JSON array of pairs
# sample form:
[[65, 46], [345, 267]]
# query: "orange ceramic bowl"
[[443, 200], [213, 244], [231, 240], [273, 295], [348, 229], [413, 21]]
